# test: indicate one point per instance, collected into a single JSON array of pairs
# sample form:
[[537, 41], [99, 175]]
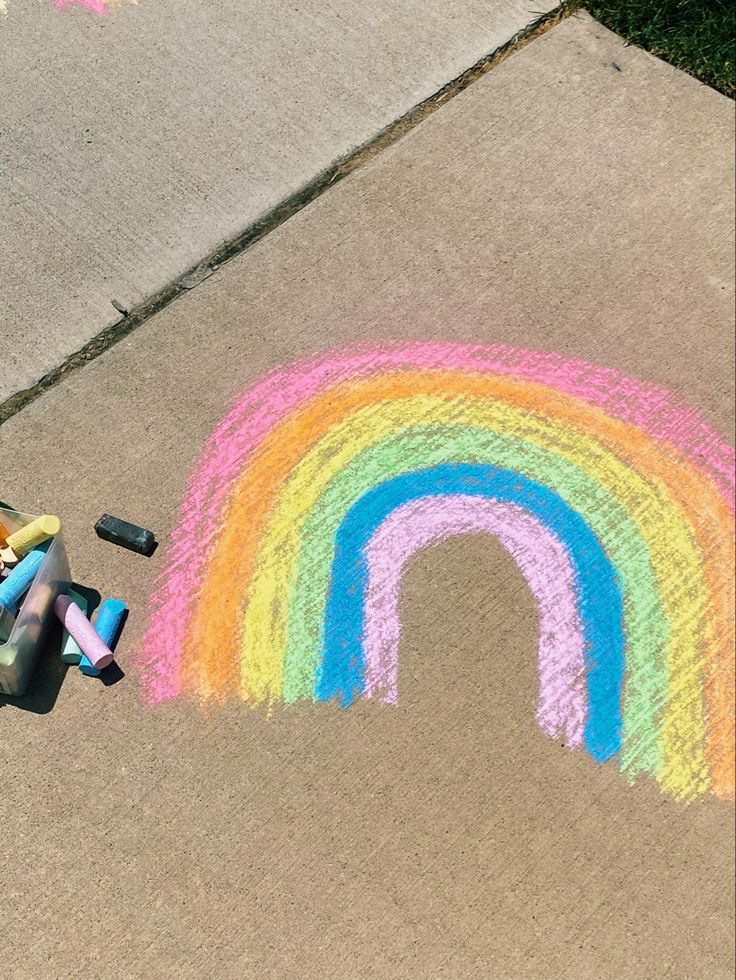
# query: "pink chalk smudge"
[[96, 6], [545, 564], [653, 409]]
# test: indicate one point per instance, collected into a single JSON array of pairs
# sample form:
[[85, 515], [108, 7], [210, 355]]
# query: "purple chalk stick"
[[78, 626]]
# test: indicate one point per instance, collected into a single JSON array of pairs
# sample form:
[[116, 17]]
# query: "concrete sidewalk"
[[133, 144], [577, 199]]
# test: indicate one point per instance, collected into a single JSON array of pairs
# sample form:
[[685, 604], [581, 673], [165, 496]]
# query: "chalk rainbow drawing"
[[615, 499]]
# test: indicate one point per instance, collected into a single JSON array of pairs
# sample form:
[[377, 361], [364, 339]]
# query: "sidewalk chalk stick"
[[34, 533], [4, 532], [70, 650], [109, 619], [83, 632], [107, 625], [13, 587], [125, 534], [7, 622], [8, 557]]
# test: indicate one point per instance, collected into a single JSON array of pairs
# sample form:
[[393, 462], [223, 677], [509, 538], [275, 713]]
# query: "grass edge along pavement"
[[697, 36]]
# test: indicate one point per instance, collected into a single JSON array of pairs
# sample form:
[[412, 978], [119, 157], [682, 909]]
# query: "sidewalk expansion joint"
[[336, 172]]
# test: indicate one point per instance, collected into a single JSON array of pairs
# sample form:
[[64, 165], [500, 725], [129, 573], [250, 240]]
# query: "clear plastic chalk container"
[[27, 628]]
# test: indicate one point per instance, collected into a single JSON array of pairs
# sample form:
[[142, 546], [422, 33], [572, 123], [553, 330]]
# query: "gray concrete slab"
[[133, 144], [559, 204]]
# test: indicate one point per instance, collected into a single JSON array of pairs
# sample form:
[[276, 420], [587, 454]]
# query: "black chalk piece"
[[125, 534]]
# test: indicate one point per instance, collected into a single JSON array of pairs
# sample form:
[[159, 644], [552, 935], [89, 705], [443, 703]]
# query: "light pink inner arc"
[[545, 564]]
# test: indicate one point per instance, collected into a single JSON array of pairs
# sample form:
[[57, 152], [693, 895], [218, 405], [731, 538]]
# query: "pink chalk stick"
[[80, 628]]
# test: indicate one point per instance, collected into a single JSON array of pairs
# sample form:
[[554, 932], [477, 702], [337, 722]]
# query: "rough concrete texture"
[[133, 144], [558, 204]]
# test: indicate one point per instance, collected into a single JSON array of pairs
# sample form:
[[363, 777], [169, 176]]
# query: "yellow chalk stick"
[[34, 533]]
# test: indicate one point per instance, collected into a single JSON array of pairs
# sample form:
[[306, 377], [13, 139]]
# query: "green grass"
[[695, 35]]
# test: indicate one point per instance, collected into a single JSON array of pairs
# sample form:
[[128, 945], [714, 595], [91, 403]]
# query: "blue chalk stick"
[[14, 586], [109, 619], [107, 625]]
